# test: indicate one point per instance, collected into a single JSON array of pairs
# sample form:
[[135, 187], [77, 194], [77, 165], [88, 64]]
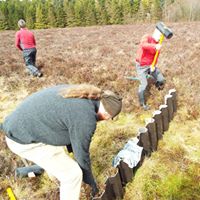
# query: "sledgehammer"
[[167, 33]]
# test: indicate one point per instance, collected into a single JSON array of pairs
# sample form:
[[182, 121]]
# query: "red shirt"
[[146, 51], [24, 39]]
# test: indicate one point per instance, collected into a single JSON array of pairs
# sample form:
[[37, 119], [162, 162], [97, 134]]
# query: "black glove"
[[69, 148], [95, 190], [89, 179], [160, 85]]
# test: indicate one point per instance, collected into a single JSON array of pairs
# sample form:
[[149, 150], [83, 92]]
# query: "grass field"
[[102, 56]]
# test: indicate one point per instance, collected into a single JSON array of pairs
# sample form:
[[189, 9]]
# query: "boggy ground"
[[101, 55]]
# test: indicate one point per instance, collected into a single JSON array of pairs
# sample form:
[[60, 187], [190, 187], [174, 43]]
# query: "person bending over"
[[49, 120]]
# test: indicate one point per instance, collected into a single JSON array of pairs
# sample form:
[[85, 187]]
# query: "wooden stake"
[[165, 117], [157, 116]]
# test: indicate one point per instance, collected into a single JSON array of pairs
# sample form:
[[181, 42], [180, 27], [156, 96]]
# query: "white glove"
[[152, 69], [158, 46]]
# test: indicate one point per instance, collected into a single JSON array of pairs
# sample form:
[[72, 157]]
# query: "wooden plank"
[[113, 189], [174, 98], [165, 117], [144, 141], [151, 126], [169, 103], [126, 173], [157, 116]]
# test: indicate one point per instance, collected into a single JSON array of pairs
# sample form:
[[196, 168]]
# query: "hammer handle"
[[156, 55], [10, 194]]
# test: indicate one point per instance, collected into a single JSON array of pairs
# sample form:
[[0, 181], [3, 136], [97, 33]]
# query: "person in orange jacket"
[[148, 46]]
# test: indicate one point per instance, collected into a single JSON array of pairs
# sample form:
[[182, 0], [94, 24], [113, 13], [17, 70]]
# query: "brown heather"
[[103, 55]]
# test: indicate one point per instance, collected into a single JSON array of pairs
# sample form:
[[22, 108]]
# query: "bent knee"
[[67, 172], [75, 174], [143, 86], [79, 172]]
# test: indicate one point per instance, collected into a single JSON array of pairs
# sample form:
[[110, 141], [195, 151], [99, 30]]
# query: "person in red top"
[[148, 46], [25, 42]]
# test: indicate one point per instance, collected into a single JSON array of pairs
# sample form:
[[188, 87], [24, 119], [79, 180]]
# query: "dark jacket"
[[47, 117]]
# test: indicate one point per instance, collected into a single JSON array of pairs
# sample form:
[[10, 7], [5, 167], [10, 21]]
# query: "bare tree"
[[181, 10]]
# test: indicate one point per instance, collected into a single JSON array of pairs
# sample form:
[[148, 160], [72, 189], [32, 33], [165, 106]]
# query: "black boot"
[[160, 85], [38, 74], [142, 101]]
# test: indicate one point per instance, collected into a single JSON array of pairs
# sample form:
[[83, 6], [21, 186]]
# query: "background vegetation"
[[103, 55], [62, 13]]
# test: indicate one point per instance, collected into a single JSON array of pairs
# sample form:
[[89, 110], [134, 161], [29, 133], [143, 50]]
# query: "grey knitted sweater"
[[47, 117]]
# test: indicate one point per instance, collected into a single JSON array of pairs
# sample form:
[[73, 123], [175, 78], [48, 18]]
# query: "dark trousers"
[[29, 56]]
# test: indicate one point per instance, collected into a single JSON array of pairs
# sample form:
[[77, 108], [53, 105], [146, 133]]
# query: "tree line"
[[68, 13]]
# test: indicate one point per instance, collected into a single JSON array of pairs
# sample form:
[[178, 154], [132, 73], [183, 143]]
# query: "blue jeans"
[[29, 56]]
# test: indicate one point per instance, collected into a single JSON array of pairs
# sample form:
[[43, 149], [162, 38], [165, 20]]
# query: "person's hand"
[[90, 192], [158, 46], [94, 191], [152, 69]]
